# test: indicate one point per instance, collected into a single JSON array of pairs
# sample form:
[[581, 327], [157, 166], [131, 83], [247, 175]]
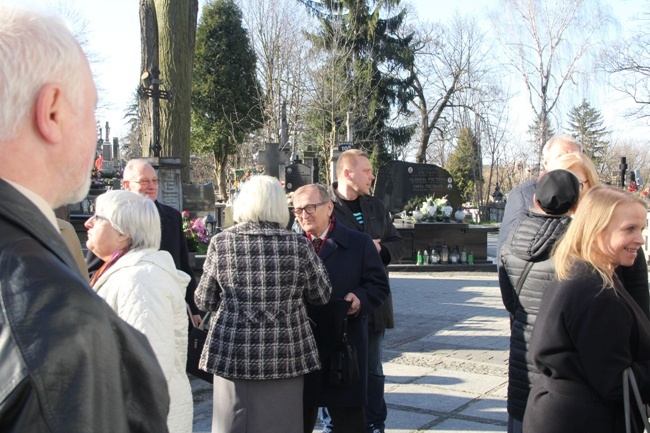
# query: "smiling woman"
[[589, 329]]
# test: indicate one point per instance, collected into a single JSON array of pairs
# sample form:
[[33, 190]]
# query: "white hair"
[[133, 215], [132, 165], [35, 49], [261, 199]]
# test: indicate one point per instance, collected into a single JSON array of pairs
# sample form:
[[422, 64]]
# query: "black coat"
[[173, 241], [354, 266], [526, 271], [584, 337], [69, 364], [379, 225]]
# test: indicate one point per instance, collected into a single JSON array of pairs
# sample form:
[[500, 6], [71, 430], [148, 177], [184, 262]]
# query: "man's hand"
[[356, 303], [377, 244]]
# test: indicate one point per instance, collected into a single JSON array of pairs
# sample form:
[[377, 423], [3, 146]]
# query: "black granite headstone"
[[297, 175], [198, 199], [398, 182]]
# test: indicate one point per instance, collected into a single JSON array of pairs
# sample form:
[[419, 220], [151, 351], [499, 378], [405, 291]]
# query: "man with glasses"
[[359, 286], [139, 176], [357, 209]]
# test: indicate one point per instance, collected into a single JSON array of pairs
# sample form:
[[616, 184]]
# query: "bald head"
[[558, 146]]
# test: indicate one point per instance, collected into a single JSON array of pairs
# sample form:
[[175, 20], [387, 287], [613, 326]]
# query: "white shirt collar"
[[38, 201]]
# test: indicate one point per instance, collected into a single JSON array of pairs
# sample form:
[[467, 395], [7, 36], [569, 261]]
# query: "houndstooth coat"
[[257, 277]]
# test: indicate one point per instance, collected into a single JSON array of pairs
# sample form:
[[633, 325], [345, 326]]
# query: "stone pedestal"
[[425, 236]]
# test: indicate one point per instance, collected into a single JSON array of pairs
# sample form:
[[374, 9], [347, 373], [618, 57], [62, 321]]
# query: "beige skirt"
[[255, 406]]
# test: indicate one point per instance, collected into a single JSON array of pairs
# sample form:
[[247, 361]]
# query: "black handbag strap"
[[629, 379]]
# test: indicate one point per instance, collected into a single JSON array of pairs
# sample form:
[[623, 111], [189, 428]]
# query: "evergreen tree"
[[539, 135], [372, 55], [225, 89], [586, 126], [464, 165]]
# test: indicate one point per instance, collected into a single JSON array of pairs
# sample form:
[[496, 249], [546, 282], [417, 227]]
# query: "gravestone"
[[198, 199], [297, 175], [107, 157], [170, 190], [273, 159], [398, 182]]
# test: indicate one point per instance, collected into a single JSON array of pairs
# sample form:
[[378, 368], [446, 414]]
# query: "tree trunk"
[[176, 38], [221, 174], [148, 59]]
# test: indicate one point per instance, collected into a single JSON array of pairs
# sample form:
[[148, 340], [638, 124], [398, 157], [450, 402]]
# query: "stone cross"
[[271, 158]]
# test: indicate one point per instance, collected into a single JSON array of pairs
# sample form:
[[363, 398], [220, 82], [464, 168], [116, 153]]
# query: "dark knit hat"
[[557, 191]]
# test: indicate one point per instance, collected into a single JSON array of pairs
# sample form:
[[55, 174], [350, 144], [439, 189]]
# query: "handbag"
[[629, 379], [344, 364], [195, 342]]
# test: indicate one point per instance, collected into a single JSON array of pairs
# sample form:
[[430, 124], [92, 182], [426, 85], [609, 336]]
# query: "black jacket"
[[69, 363], [526, 271], [584, 337], [378, 224]]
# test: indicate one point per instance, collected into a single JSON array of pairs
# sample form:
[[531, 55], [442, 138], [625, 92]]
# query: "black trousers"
[[344, 419]]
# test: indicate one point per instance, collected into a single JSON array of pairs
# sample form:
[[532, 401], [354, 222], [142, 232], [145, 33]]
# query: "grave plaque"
[[398, 182], [297, 175], [198, 199], [169, 182], [107, 158]]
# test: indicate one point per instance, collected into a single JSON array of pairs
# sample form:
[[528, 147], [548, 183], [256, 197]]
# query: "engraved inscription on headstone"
[[398, 182], [169, 178], [297, 175]]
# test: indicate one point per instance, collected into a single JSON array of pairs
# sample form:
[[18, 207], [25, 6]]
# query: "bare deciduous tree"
[[547, 44], [445, 59]]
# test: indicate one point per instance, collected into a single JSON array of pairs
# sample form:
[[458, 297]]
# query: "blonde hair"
[[577, 160], [590, 220], [348, 159]]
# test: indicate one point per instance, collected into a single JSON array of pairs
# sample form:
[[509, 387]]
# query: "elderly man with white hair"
[[69, 363]]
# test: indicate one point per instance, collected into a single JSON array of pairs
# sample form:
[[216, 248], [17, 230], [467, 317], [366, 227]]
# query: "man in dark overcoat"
[[357, 276]]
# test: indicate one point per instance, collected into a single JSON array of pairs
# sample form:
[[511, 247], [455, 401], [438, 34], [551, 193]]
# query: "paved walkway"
[[445, 362]]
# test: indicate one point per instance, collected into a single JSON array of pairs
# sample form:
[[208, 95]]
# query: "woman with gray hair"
[[144, 288], [256, 277]]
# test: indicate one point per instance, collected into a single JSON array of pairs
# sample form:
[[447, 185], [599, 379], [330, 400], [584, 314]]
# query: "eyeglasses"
[[96, 218], [583, 183], [101, 218], [145, 182], [310, 208]]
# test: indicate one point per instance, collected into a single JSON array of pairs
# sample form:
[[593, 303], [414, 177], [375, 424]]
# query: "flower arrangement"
[[196, 234]]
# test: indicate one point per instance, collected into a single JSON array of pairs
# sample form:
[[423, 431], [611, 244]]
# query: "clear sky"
[[113, 34]]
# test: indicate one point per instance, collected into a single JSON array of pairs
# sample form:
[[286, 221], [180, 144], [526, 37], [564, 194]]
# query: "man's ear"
[[48, 114]]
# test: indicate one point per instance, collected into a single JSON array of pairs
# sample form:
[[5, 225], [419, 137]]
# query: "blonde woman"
[[589, 329]]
